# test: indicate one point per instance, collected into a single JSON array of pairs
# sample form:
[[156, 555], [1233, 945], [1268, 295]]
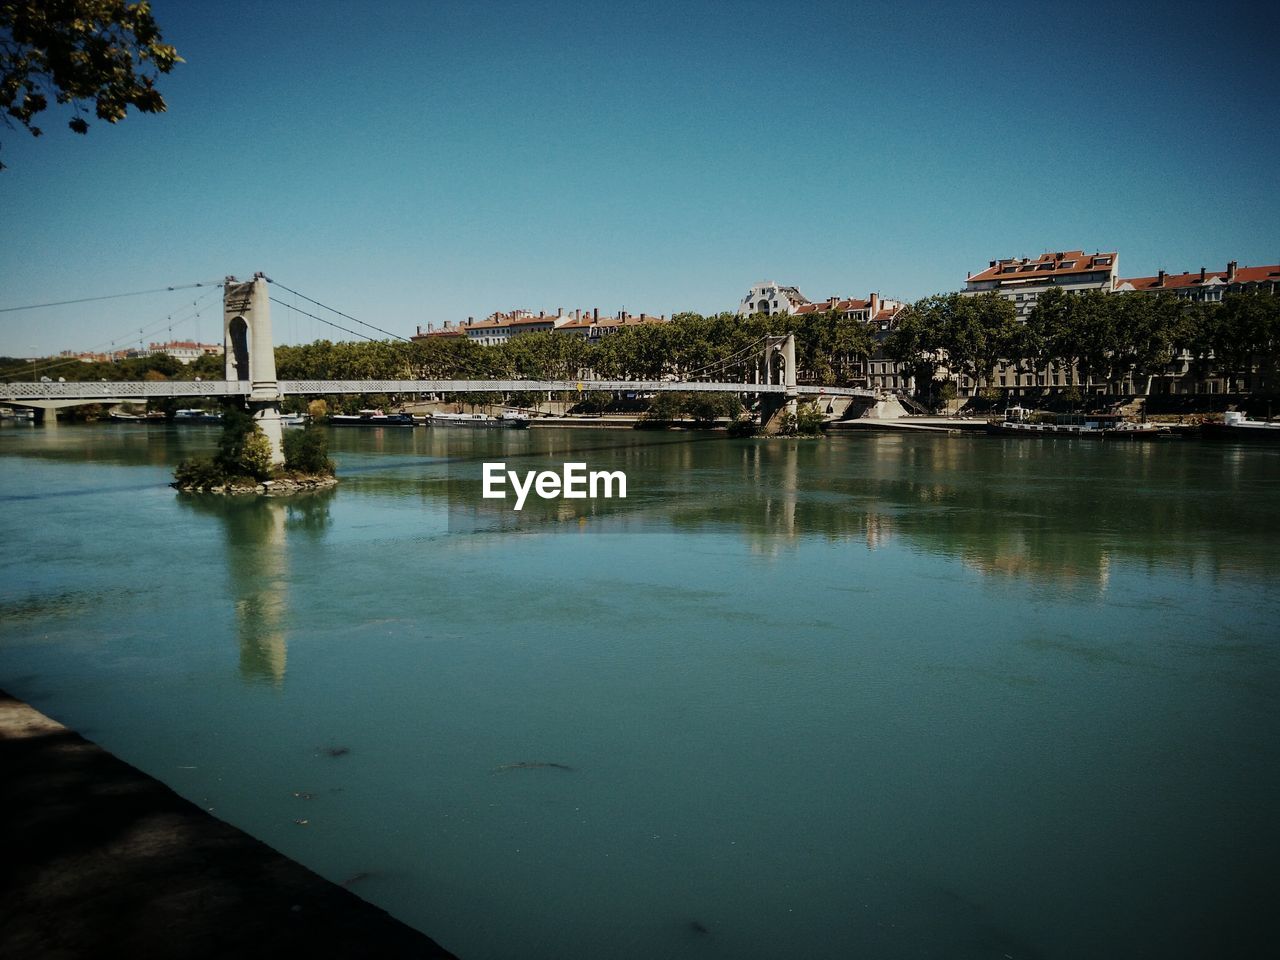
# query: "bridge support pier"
[[249, 349], [780, 355]]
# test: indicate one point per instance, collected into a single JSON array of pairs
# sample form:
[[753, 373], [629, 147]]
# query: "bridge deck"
[[142, 390]]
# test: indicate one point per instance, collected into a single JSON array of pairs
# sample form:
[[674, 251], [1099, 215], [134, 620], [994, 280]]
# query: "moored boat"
[[515, 421], [1236, 426], [196, 416], [1092, 426], [371, 418]]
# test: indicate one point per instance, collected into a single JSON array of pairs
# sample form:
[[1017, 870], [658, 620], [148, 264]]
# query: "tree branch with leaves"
[[99, 55]]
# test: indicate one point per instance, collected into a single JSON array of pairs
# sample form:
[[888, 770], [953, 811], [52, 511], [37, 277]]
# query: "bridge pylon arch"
[[250, 355]]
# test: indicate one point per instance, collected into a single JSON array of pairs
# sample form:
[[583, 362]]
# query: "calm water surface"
[[883, 696]]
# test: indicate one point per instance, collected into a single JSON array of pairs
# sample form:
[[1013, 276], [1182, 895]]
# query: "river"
[[879, 695]]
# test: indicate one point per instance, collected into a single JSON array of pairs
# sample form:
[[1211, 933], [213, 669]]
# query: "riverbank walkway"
[[100, 859]]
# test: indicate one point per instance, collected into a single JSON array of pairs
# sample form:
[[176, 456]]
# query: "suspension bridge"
[[767, 365]]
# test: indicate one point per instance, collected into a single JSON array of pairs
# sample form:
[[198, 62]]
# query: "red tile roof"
[[1182, 281], [1046, 265], [824, 306]]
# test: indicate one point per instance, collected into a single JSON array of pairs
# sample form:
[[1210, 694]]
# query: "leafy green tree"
[[1087, 337], [307, 451], [1243, 334], [255, 455], [1043, 333], [239, 455], [1147, 331], [915, 343], [809, 420], [665, 407], [100, 53]]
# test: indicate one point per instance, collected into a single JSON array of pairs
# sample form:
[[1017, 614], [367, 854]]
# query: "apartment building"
[[184, 351], [501, 327], [882, 372], [1207, 286], [1023, 280], [768, 297]]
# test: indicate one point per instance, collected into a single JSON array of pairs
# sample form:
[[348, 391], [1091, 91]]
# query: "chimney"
[[875, 304], [991, 264], [559, 312], [1202, 274], [595, 314], [541, 314], [1231, 271], [577, 314], [1160, 279], [968, 274]]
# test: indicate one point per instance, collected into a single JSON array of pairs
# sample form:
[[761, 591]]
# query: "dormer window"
[[1066, 264]]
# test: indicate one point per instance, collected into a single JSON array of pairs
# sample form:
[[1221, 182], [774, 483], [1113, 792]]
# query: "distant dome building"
[[768, 297]]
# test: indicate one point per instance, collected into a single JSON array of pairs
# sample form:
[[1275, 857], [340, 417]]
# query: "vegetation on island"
[[99, 55], [243, 460]]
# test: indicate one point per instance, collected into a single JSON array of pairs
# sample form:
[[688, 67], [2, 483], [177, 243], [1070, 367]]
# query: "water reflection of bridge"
[[258, 530]]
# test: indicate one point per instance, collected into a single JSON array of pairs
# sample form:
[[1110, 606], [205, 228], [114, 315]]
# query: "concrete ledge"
[[101, 860]]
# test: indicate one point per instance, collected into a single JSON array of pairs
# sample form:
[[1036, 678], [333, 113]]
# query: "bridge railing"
[[107, 389], [89, 391], [512, 386]]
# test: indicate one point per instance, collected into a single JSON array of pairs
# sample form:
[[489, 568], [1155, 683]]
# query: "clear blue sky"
[[415, 162]]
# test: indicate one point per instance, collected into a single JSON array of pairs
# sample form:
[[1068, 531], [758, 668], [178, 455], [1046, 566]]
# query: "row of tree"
[[828, 350], [1103, 338]]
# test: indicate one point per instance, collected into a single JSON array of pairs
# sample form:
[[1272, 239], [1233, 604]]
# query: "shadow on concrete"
[[100, 859]]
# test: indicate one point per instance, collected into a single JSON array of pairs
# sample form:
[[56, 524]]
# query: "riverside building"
[[500, 327], [882, 372], [1207, 286], [768, 297], [1022, 281]]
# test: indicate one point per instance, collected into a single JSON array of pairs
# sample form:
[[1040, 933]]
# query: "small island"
[[243, 462]]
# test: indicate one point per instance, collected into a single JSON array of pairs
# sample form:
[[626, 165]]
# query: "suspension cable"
[[111, 296], [726, 361], [347, 316], [354, 333], [54, 363]]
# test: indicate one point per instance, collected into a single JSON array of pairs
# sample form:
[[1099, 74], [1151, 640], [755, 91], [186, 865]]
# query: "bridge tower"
[[249, 351], [779, 367]]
